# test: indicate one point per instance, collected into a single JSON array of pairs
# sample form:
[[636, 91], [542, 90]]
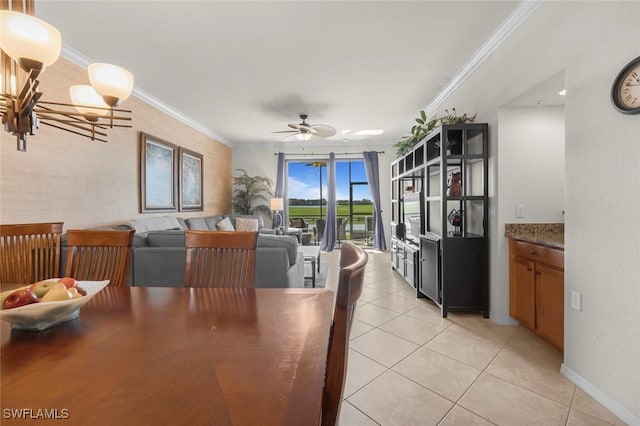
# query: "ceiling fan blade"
[[286, 131], [290, 138], [324, 131], [303, 127]]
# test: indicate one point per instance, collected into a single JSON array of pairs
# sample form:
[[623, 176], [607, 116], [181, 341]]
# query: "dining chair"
[[353, 260], [29, 252], [94, 255], [220, 259]]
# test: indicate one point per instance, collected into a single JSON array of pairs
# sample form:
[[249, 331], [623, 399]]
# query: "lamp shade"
[[111, 81], [25, 37], [303, 136], [276, 204], [84, 97]]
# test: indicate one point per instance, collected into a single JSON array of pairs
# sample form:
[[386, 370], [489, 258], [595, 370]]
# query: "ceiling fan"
[[304, 131]]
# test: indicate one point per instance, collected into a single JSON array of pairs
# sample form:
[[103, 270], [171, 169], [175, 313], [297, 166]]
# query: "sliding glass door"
[[307, 203]]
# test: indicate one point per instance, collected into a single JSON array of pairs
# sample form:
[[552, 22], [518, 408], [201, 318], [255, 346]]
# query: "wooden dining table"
[[173, 356]]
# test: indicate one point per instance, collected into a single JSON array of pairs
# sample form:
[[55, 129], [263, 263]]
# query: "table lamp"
[[277, 206]]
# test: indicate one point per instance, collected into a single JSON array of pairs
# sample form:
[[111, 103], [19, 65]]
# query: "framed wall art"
[[158, 175], [190, 180]]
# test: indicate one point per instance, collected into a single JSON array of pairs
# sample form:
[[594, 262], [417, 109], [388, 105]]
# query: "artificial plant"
[[249, 192], [424, 127]]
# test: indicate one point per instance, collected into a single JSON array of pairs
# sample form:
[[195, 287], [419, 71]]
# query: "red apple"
[[68, 282], [19, 298]]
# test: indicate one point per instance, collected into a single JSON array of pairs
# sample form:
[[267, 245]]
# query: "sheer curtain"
[[373, 176], [279, 190], [329, 237]]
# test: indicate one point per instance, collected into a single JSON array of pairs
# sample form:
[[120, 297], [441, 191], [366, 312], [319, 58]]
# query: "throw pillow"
[[250, 225], [225, 225]]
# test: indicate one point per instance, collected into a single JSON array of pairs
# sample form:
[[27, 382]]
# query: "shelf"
[[454, 273]]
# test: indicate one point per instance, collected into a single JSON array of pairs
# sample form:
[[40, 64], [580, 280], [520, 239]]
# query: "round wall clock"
[[625, 92]]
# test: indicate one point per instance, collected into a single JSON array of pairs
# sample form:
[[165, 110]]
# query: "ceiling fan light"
[[303, 136], [29, 40], [112, 82], [84, 97]]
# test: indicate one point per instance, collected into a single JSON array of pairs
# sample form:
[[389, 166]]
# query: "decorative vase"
[[454, 184]]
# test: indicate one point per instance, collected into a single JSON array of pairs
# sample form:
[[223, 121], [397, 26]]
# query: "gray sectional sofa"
[[159, 252]]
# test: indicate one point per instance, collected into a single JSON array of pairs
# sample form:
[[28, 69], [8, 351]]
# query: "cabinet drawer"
[[539, 253]]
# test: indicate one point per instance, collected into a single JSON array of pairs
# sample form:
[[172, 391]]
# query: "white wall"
[[531, 172], [591, 41], [531, 166], [260, 160]]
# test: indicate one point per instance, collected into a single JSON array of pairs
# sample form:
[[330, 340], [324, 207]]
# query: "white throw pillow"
[[225, 225], [244, 224]]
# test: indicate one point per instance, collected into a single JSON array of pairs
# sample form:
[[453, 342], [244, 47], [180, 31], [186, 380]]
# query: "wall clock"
[[625, 92]]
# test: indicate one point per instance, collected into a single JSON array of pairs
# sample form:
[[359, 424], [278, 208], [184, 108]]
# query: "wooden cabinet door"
[[522, 306], [550, 304]]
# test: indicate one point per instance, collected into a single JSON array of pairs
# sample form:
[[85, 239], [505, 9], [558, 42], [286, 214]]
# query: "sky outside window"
[[304, 181]]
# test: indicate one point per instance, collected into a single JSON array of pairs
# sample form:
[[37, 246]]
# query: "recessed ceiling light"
[[563, 92], [369, 132]]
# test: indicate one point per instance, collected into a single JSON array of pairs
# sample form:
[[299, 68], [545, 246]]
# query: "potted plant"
[[424, 127], [249, 192]]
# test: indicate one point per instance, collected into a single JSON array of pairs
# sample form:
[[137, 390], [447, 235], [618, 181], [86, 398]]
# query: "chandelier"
[[29, 45]]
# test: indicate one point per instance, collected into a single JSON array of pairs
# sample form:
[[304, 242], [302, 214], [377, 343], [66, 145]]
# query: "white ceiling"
[[246, 69]]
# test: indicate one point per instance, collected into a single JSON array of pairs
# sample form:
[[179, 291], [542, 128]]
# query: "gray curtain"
[[279, 190], [373, 177], [329, 236]]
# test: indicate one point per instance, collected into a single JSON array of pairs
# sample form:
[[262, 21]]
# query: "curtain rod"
[[327, 153]]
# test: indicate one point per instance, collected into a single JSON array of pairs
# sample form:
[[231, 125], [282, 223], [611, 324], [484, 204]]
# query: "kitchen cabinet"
[[536, 289]]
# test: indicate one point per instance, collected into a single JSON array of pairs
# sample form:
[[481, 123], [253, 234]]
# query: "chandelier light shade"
[[303, 136], [111, 81], [83, 97], [28, 40], [34, 44]]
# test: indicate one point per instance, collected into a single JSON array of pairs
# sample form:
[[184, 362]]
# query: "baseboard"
[[502, 319], [604, 399]]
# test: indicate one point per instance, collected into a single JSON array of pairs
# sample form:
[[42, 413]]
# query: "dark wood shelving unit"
[[453, 261]]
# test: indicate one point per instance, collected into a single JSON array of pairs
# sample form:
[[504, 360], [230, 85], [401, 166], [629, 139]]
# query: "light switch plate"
[[576, 300], [519, 210]]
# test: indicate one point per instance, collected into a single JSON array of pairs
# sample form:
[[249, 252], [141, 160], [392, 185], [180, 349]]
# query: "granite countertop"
[[546, 234]]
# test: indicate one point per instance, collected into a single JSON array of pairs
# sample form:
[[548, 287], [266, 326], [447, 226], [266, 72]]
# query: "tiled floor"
[[409, 366]]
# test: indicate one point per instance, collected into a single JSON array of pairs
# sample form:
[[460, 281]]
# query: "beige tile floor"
[[409, 366]]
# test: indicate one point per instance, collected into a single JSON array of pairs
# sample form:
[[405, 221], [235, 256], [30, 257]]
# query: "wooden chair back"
[[220, 259], [29, 252], [353, 260], [95, 255]]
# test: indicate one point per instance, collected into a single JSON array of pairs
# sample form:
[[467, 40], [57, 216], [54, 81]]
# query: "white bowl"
[[42, 315]]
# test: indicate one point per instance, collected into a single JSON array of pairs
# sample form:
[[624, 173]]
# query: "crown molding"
[[513, 21], [78, 58]]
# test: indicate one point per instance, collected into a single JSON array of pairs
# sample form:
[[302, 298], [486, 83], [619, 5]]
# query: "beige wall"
[[65, 177]]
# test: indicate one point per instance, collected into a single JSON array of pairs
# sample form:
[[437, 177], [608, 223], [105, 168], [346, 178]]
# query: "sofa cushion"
[[285, 241], [225, 225], [182, 223], [212, 222], [147, 224], [244, 224], [172, 238], [197, 224], [248, 216]]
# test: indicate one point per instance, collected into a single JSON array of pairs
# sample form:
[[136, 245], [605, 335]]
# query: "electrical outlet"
[[519, 210], [576, 300]]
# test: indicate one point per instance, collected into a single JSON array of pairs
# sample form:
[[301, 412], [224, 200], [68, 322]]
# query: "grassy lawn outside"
[[342, 211]]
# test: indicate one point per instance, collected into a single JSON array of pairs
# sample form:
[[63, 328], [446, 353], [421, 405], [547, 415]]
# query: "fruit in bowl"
[[49, 290], [59, 304], [20, 297]]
